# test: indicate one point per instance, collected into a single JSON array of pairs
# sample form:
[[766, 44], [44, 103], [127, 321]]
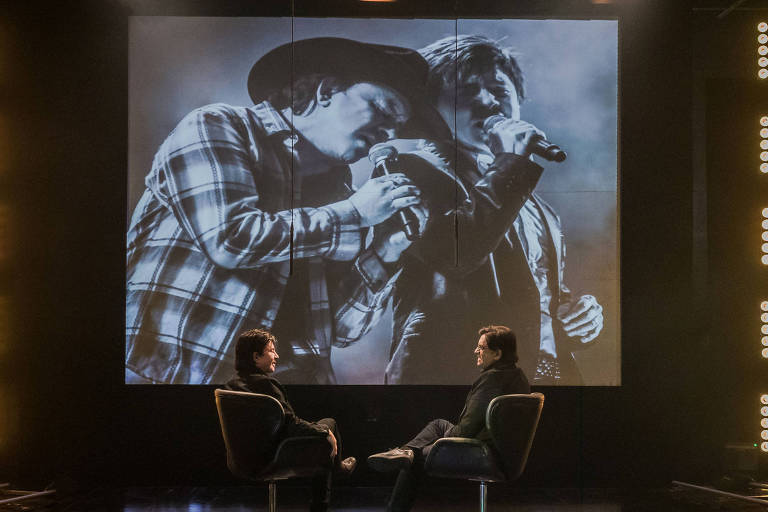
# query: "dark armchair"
[[512, 422], [250, 425]]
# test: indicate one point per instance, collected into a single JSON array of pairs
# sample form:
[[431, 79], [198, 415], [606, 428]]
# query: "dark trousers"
[[321, 482], [408, 481]]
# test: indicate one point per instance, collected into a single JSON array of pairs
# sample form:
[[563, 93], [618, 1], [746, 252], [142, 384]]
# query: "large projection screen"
[[186, 305]]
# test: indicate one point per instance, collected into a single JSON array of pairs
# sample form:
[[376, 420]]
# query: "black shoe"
[[393, 460]]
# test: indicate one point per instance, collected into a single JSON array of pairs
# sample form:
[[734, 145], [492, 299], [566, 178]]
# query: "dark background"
[[690, 194]]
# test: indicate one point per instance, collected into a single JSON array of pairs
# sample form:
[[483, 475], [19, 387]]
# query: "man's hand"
[[379, 198], [389, 239], [510, 136], [582, 319], [332, 440]]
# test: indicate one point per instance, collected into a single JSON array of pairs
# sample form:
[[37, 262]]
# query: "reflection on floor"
[[294, 498]]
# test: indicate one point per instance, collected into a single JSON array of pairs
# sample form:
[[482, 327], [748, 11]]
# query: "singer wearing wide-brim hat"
[[248, 219], [402, 69]]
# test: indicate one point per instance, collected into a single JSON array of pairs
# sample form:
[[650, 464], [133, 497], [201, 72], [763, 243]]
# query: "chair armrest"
[[299, 456], [462, 457]]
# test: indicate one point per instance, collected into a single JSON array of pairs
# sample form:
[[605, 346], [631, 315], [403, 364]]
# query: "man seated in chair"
[[496, 354], [255, 359]]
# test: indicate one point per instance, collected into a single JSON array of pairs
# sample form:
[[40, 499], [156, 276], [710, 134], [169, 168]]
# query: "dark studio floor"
[[292, 498]]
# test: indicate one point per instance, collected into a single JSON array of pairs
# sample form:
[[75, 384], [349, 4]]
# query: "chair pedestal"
[[272, 496], [483, 496]]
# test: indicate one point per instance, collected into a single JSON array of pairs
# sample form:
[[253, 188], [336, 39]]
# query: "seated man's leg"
[[404, 492], [433, 431]]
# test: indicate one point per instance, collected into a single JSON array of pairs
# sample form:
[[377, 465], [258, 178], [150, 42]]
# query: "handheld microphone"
[[384, 159], [539, 145]]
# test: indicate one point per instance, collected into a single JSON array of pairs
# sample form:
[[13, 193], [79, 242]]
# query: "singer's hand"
[[380, 198], [582, 319], [334, 446], [389, 240], [510, 136]]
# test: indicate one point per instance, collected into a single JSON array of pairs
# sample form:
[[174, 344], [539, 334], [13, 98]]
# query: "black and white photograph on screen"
[[372, 192]]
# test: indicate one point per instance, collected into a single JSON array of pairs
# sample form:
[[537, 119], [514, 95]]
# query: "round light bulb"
[[764, 410], [764, 399], [764, 167], [764, 446], [764, 156], [762, 38], [762, 50], [764, 434], [762, 73], [765, 353], [762, 26], [765, 236], [762, 62], [764, 329], [764, 422], [764, 133], [764, 318], [764, 247], [764, 260], [765, 225], [765, 213], [764, 144], [764, 121], [764, 305], [764, 341]]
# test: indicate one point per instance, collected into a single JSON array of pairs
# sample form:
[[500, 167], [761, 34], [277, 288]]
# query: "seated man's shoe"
[[393, 460], [348, 465]]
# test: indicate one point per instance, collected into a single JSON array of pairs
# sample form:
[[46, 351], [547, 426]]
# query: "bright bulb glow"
[[765, 247], [765, 353], [764, 156], [765, 213], [762, 62], [764, 434], [765, 226], [764, 446], [764, 133], [764, 305], [762, 50], [765, 236], [764, 318], [764, 410], [764, 422], [764, 260], [764, 167], [762, 26], [764, 144], [762, 74], [764, 341], [764, 121], [764, 329], [762, 38]]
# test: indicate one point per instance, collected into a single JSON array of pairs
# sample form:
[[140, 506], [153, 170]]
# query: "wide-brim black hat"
[[402, 69]]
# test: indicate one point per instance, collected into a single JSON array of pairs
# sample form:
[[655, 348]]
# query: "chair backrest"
[[249, 424], [512, 422]]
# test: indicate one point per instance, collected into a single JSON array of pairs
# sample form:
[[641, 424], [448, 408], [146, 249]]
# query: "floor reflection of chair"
[[512, 421], [250, 425]]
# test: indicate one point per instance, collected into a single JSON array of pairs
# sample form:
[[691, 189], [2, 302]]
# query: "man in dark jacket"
[[496, 354], [255, 358]]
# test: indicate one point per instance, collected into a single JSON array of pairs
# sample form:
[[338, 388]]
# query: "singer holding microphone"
[[494, 250]]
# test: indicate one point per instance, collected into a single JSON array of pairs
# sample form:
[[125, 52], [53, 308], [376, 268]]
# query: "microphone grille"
[[381, 151], [492, 121]]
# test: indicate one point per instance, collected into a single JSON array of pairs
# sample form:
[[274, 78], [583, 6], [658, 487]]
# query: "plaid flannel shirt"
[[209, 245]]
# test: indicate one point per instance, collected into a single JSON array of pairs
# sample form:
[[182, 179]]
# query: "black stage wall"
[[66, 412]]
